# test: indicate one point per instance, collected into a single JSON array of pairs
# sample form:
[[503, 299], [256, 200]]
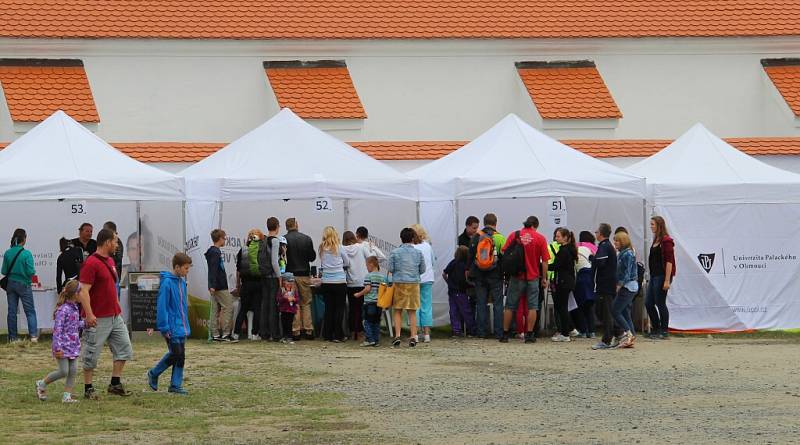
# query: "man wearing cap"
[[535, 247]]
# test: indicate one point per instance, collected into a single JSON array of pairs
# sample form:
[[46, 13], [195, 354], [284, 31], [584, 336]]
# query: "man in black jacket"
[[299, 253], [221, 298], [85, 241], [604, 269]]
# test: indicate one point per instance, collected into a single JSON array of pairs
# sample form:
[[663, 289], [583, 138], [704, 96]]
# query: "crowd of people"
[[507, 275]]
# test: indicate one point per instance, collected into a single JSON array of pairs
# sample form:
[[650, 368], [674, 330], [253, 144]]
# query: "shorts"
[[406, 296], [111, 330], [516, 287]]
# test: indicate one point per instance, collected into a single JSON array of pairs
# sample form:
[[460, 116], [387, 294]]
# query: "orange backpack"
[[485, 252]]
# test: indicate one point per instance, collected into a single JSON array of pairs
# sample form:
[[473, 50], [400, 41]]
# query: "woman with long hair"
[[661, 262], [357, 253], [18, 268], [627, 287], [584, 284], [425, 313], [333, 262], [248, 282], [564, 280]]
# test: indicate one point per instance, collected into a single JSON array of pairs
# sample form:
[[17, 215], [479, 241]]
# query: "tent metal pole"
[[457, 216], [346, 214], [183, 224], [418, 220], [139, 232], [645, 252]]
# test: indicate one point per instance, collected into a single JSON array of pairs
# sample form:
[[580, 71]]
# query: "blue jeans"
[[371, 314], [425, 311], [486, 286], [622, 316], [175, 357], [18, 291], [656, 303]]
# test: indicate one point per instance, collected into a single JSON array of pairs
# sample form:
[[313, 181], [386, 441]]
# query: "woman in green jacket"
[[18, 267]]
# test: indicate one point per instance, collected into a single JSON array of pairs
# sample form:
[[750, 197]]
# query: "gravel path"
[[684, 390]]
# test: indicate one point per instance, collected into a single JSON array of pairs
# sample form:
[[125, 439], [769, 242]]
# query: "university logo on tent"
[[706, 261]]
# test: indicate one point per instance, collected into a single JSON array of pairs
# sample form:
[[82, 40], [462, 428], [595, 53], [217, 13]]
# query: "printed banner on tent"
[[736, 278]]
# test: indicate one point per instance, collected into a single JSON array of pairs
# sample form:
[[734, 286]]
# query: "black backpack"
[[513, 260], [640, 273], [265, 258]]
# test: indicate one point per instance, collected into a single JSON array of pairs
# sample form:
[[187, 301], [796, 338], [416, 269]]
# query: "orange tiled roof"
[[315, 92], [568, 90], [386, 19], [785, 74], [185, 152], [35, 89], [407, 150], [168, 151]]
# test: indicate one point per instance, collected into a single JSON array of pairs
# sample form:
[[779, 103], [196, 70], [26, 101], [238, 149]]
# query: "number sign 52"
[[323, 205]]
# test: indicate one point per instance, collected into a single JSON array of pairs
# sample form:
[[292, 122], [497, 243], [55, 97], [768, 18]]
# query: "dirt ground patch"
[[684, 390]]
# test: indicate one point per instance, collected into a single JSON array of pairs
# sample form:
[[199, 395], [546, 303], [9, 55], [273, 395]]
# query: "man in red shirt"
[[104, 323], [535, 247]]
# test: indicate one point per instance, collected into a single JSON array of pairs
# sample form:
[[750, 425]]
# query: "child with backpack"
[[172, 320], [287, 306], [455, 274], [66, 343], [371, 313]]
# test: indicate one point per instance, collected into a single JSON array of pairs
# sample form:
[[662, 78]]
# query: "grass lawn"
[[235, 391]]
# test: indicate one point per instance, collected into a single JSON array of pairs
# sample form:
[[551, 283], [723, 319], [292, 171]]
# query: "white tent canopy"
[[735, 222], [515, 171], [288, 158], [59, 175], [61, 159], [513, 160], [282, 169], [699, 160]]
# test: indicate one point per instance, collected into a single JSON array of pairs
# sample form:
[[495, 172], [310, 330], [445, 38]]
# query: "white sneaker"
[[560, 338], [427, 338], [41, 390], [256, 337], [574, 333], [67, 398], [235, 336], [34, 339]]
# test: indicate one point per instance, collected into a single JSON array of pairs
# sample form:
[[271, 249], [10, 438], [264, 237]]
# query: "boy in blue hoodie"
[[172, 320]]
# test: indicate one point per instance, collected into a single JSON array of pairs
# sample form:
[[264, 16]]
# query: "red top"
[[668, 253], [535, 250], [103, 294]]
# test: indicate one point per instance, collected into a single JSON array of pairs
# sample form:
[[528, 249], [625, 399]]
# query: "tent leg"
[[457, 218], [183, 224], [645, 318], [210, 297], [139, 232], [346, 214], [417, 208]]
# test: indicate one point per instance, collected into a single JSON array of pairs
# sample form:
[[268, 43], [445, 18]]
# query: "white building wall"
[[215, 91]]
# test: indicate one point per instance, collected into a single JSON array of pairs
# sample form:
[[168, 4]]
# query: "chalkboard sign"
[[143, 295]]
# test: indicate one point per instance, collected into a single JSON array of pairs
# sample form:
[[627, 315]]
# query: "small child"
[[456, 276], [287, 306], [172, 320], [370, 312], [282, 249], [66, 342]]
